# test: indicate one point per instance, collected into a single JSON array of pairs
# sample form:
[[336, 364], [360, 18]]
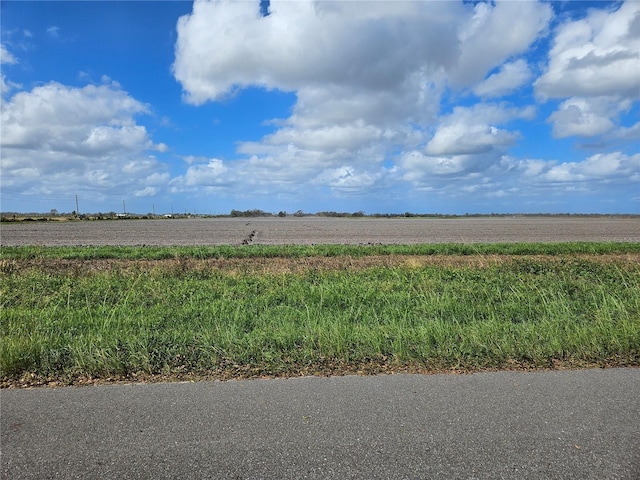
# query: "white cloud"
[[376, 86], [514, 180], [373, 46], [53, 31], [224, 45], [6, 56], [369, 79], [289, 168], [461, 139], [595, 64], [202, 175], [347, 179], [161, 147], [595, 56], [473, 130], [511, 76], [328, 137], [146, 192], [157, 179], [608, 166], [601, 167], [62, 118], [417, 164], [7, 85], [75, 138], [496, 33], [584, 117], [627, 133]]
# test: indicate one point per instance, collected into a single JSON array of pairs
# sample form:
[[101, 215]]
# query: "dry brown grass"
[[280, 265]]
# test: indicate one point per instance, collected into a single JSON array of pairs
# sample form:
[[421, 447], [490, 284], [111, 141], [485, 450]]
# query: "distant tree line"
[[250, 213], [54, 214], [359, 213]]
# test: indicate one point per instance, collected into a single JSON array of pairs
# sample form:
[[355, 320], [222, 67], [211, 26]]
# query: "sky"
[[447, 107]]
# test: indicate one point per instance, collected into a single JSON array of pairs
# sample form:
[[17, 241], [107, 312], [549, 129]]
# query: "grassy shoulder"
[[69, 315], [303, 251]]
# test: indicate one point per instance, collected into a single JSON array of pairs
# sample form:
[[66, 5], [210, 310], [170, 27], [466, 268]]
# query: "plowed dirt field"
[[320, 230]]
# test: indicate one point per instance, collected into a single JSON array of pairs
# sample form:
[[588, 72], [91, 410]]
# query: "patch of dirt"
[[379, 366]]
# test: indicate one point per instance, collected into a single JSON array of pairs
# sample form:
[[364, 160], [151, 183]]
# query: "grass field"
[[72, 315]]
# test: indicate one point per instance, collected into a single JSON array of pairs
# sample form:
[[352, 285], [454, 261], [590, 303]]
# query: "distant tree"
[[54, 212], [250, 213], [282, 213], [333, 214], [299, 213]]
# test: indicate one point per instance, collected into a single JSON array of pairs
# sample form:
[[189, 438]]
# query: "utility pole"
[[124, 208], [77, 209], [154, 209]]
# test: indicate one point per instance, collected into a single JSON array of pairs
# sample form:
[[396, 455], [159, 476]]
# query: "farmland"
[[227, 298], [319, 230]]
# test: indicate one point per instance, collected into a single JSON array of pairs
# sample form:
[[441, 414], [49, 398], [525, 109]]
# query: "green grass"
[[162, 320], [300, 251]]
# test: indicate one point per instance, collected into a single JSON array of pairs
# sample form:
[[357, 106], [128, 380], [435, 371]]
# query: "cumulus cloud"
[[369, 79], [146, 192], [584, 117], [473, 130], [602, 167], [209, 174], [595, 64], [417, 165], [495, 33], [347, 179], [381, 100], [488, 177], [627, 133], [84, 120], [597, 167], [225, 44], [595, 56], [77, 138], [374, 46], [511, 76]]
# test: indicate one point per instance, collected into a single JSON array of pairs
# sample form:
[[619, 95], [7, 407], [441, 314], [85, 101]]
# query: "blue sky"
[[430, 107]]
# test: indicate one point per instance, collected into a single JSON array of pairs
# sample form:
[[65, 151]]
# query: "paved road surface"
[[543, 425]]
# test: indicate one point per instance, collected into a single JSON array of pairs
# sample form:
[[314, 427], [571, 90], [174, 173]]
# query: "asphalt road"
[[541, 425]]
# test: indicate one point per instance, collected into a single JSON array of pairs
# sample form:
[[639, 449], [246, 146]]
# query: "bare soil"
[[320, 230]]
